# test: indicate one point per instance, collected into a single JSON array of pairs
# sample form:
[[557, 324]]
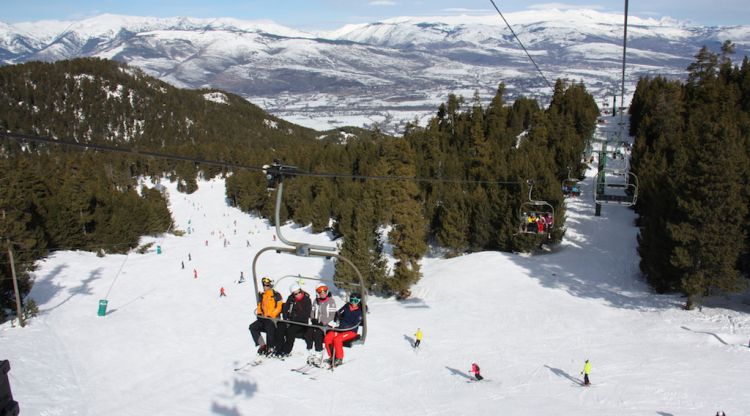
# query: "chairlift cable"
[[521, 43], [103, 148]]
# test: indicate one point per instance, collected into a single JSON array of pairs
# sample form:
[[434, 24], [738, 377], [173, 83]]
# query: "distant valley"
[[385, 73]]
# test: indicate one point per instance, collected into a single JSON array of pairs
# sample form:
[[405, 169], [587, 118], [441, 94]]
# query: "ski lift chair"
[[275, 175], [532, 212], [623, 192]]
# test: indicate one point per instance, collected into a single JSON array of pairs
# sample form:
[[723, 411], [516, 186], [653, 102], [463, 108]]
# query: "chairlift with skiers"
[[570, 186], [535, 216], [275, 175]]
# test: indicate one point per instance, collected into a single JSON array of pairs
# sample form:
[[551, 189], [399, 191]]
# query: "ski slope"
[[169, 344]]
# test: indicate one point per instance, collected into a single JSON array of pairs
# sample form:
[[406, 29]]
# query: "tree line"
[[692, 157], [54, 197], [481, 158]]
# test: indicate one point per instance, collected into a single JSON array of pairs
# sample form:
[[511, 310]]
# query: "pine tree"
[[453, 222], [409, 227]]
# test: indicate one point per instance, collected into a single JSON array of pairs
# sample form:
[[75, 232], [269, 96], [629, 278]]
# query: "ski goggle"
[[266, 281], [354, 300], [322, 290]]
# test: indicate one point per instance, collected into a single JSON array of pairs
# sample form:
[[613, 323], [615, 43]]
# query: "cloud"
[[464, 10], [563, 6], [382, 3]]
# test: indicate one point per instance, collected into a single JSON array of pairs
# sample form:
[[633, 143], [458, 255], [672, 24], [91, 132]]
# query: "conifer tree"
[[453, 222], [408, 225]]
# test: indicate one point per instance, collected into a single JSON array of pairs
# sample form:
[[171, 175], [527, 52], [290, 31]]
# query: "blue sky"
[[330, 14]]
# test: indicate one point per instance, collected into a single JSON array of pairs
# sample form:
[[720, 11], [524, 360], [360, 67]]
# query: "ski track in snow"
[[168, 344]]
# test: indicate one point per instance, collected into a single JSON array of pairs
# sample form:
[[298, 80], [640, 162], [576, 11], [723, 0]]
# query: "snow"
[[168, 344], [217, 97]]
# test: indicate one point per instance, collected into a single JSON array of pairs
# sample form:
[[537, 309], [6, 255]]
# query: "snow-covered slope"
[[385, 72], [168, 344]]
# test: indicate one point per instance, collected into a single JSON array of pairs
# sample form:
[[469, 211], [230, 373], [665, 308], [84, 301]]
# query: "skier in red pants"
[[349, 318]]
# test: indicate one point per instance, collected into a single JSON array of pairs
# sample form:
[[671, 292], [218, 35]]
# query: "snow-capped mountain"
[[387, 72]]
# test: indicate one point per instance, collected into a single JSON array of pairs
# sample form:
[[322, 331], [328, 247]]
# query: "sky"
[[168, 344], [332, 14]]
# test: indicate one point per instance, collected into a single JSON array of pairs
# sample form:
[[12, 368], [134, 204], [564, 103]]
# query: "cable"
[[49, 140], [116, 276], [523, 47]]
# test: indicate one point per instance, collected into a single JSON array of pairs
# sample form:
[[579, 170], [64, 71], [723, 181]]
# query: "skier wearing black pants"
[[475, 370], [269, 307], [297, 308]]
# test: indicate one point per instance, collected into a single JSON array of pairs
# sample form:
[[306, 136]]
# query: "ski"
[[251, 363], [477, 381], [260, 359], [304, 369], [332, 367], [307, 370]]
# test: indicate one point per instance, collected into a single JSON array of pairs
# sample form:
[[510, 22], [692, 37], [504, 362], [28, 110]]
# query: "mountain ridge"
[[383, 73]]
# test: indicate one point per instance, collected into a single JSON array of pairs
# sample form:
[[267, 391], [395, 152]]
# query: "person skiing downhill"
[[585, 372], [475, 370], [418, 336]]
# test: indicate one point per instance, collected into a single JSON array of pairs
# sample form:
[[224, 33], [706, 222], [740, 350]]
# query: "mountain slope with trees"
[[481, 155], [692, 156]]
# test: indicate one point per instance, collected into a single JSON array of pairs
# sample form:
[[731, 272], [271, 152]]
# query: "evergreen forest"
[[692, 157], [479, 164]]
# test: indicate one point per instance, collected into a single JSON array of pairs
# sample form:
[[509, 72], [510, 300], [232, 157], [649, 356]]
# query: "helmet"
[[293, 288], [322, 289], [266, 281]]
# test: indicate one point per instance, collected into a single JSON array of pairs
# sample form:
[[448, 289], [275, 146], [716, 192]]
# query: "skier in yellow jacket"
[[418, 335], [585, 372], [269, 307]]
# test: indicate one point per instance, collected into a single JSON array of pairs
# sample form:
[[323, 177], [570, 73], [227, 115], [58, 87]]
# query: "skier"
[[183, 265], [323, 312], [195, 273], [242, 278], [221, 292], [475, 370], [269, 308], [297, 308], [418, 335], [349, 318], [585, 372]]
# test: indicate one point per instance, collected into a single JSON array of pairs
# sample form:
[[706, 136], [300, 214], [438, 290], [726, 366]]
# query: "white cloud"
[[564, 6], [382, 3], [464, 10]]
